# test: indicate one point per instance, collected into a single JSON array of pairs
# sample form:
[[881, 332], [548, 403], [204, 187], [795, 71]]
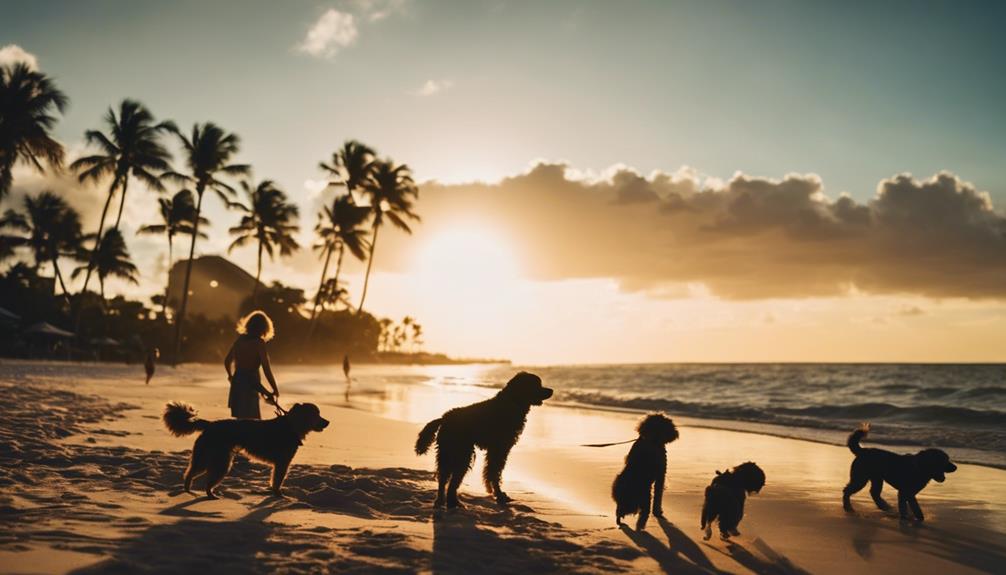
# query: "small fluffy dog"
[[645, 468], [725, 498], [909, 474], [273, 441], [494, 425]]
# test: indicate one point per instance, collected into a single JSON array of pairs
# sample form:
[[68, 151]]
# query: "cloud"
[[433, 87], [12, 54], [746, 238], [377, 10], [333, 31]]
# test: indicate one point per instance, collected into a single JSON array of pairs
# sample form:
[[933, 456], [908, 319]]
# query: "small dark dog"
[[645, 468], [273, 441], [725, 498], [494, 425], [909, 474]]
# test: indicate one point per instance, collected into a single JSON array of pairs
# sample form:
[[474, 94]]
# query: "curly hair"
[[256, 324]]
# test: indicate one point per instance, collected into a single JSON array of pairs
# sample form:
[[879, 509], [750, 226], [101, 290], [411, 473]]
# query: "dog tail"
[[180, 419], [426, 436], [856, 436]]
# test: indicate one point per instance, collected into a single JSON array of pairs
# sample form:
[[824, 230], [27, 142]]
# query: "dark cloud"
[[745, 238]]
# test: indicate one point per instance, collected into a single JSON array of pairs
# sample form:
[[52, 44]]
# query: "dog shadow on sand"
[[679, 555], [872, 532]]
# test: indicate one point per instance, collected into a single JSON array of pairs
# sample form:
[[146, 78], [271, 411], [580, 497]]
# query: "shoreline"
[[823, 435]]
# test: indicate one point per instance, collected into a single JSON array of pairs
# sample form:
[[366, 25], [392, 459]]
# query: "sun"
[[468, 254]]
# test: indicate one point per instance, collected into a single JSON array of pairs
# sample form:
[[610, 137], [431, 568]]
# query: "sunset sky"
[[602, 181]]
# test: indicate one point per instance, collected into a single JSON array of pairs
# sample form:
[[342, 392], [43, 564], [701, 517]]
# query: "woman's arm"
[[267, 369], [228, 361]]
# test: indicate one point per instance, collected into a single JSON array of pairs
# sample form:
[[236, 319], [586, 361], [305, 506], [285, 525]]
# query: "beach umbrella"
[[9, 316], [45, 328]]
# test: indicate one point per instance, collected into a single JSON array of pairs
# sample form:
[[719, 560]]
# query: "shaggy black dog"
[[273, 441], [909, 474], [725, 498], [494, 425], [645, 467]]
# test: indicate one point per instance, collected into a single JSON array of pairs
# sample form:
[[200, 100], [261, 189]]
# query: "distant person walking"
[[151, 362], [345, 371], [248, 354]]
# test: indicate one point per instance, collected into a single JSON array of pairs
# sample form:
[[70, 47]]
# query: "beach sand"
[[92, 484]]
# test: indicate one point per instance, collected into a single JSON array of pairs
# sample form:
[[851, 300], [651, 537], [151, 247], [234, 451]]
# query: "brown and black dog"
[[908, 473], [494, 425], [272, 441]]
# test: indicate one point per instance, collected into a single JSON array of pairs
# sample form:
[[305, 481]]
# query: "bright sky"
[[846, 94]]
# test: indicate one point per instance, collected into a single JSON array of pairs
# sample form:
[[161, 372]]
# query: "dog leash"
[[605, 444], [277, 407]]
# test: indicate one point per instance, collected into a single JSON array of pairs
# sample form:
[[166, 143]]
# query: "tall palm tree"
[[350, 167], [53, 229], [269, 220], [131, 147], [392, 192], [28, 101], [208, 153], [112, 260], [178, 216], [339, 228]]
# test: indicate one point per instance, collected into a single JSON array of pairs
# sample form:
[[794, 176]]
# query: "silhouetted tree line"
[[45, 230]]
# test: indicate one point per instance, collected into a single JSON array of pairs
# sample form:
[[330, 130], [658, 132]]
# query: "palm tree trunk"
[[97, 237], [258, 274], [370, 263], [321, 284], [167, 284], [122, 202], [188, 275], [59, 276], [338, 265]]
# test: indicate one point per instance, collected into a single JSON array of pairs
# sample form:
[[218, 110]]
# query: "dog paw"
[[724, 535], [735, 533], [708, 535], [503, 499], [640, 526], [659, 513]]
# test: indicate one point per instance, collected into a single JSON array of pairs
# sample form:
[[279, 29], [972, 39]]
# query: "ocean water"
[[960, 408]]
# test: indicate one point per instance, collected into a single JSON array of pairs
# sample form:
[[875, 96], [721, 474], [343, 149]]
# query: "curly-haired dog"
[[725, 498], [494, 425], [645, 468], [909, 474], [273, 441]]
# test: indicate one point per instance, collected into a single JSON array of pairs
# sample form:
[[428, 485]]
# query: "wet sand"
[[92, 484]]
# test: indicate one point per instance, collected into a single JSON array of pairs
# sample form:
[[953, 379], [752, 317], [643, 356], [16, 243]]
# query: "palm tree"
[[112, 260], [350, 168], [53, 229], [392, 193], [28, 100], [178, 214], [132, 147], [332, 294], [270, 220], [339, 227], [208, 152]]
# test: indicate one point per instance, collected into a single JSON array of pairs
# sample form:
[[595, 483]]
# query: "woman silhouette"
[[248, 354]]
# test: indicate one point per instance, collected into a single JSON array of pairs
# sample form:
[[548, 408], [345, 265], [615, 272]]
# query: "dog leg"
[[856, 484], [644, 511], [194, 470], [658, 497], [460, 462], [914, 504], [218, 469], [876, 486], [278, 475], [442, 478], [492, 474], [903, 504]]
